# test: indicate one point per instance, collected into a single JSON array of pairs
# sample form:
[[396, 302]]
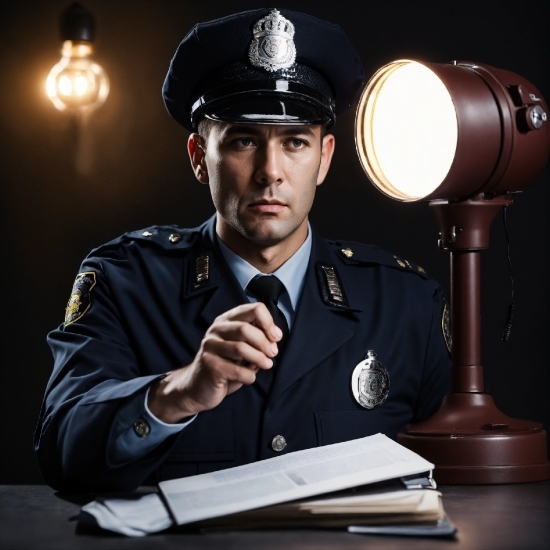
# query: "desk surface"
[[503, 517]]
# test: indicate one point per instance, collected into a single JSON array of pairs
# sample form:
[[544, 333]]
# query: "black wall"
[[52, 214]]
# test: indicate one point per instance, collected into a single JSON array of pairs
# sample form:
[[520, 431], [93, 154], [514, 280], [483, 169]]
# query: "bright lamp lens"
[[406, 130]]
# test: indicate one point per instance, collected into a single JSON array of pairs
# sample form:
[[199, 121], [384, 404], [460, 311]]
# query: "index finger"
[[258, 315]]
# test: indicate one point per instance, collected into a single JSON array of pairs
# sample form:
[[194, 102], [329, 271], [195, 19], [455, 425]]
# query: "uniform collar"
[[292, 273]]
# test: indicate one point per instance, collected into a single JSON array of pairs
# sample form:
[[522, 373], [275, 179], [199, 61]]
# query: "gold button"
[[141, 427], [174, 238], [147, 234], [278, 443], [347, 252]]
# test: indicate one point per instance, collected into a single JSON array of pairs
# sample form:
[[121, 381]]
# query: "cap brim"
[[269, 110]]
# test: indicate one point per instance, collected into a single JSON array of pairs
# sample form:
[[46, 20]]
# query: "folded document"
[[279, 492]]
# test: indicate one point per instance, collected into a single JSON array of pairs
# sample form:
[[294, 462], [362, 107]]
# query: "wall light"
[[464, 136], [76, 83]]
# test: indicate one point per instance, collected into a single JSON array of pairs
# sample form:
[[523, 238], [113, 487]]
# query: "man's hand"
[[238, 344]]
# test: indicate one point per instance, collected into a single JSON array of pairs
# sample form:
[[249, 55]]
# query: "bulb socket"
[[77, 24]]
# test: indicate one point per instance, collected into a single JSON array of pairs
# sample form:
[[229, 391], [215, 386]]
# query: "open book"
[[278, 493]]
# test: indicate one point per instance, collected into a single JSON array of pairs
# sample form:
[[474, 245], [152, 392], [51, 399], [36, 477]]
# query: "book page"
[[289, 477]]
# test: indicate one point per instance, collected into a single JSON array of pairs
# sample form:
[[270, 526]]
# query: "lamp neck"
[[464, 225], [464, 231]]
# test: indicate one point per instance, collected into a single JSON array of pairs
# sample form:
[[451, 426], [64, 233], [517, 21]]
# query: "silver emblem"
[[202, 270], [273, 46], [333, 283], [370, 382]]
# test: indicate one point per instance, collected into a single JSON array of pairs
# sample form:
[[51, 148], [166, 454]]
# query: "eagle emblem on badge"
[[272, 47], [80, 301], [370, 382]]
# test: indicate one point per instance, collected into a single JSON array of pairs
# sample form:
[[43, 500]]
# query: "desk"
[[500, 517]]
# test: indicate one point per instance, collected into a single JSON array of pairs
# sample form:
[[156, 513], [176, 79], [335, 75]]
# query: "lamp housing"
[[450, 130]]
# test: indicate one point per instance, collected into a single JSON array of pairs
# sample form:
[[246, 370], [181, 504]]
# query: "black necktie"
[[268, 289]]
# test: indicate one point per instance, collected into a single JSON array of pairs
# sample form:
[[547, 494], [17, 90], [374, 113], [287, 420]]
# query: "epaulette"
[[169, 237], [353, 253]]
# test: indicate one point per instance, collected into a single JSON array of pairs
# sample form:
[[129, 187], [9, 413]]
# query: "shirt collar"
[[291, 273]]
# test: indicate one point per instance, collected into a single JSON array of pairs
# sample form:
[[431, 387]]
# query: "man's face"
[[263, 177]]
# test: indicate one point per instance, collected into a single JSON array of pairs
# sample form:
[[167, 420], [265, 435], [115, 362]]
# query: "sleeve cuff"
[[157, 424], [140, 432]]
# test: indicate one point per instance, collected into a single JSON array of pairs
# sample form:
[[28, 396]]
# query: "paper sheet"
[[135, 517], [289, 477]]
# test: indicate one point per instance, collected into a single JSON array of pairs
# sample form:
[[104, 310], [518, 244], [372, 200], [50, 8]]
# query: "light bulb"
[[76, 82]]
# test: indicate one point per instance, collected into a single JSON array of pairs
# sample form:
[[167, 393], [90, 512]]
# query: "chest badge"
[[370, 382]]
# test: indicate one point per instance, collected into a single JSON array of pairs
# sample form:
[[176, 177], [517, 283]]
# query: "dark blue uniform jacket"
[[147, 315]]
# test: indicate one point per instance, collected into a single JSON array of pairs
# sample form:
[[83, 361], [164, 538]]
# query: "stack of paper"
[[251, 496], [290, 477], [390, 504]]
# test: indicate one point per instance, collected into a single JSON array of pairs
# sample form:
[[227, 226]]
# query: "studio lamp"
[[76, 83], [464, 136]]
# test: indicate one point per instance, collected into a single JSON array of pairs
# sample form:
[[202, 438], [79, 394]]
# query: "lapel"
[[318, 330], [221, 288], [216, 281]]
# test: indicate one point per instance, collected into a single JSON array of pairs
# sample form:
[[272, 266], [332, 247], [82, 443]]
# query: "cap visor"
[[268, 110]]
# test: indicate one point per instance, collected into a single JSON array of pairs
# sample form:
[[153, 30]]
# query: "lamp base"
[[472, 443]]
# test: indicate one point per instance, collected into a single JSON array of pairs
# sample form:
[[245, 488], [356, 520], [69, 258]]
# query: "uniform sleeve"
[[436, 377], [96, 378], [141, 432]]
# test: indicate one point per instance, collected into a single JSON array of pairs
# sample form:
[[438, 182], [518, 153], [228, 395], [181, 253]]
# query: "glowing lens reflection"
[[406, 130]]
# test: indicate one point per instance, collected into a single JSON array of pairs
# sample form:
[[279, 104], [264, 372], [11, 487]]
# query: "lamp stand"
[[469, 440]]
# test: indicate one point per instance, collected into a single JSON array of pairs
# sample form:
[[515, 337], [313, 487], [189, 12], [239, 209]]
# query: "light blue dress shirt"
[[130, 446]]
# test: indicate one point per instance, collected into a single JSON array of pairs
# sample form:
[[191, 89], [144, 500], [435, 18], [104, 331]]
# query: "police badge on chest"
[[370, 382]]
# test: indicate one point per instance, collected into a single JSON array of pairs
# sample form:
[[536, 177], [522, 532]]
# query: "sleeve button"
[[141, 427]]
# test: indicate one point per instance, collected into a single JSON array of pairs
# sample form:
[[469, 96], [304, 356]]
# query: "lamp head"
[[450, 131]]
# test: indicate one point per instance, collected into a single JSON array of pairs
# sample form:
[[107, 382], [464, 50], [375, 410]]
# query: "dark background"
[[138, 174]]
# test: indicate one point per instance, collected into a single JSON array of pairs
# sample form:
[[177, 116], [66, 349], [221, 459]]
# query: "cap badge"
[[273, 46], [370, 382]]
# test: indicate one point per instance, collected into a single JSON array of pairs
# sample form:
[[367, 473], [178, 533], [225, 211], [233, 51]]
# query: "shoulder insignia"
[[80, 301], [330, 286], [359, 254], [446, 326], [169, 237], [406, 264], [347, 252]]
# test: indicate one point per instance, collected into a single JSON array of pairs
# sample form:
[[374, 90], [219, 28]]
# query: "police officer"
[[186, 351]]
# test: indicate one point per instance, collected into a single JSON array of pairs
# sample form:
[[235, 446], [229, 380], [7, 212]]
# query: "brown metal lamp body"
[[469, 440], [502, 146], [499, 152]]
